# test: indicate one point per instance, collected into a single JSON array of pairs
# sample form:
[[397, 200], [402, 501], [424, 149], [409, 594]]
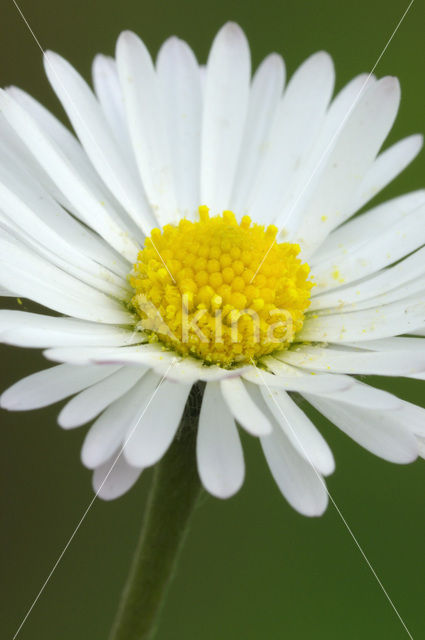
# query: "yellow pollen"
[[220, 290]]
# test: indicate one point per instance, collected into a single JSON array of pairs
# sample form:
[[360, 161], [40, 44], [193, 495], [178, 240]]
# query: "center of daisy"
[[219, 290]]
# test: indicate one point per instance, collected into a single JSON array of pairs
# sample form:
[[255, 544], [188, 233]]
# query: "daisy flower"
[[197, 233]]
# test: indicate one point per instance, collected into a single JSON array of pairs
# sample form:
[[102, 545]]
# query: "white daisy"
[[154, 142]]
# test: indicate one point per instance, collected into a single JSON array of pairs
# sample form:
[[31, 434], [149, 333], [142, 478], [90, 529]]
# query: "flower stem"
[[173, 496]]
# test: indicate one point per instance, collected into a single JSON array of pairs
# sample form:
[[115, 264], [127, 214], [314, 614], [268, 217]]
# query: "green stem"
[[173, 496]]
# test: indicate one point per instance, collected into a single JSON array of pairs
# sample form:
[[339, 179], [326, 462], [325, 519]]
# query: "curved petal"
[[108, 91], [308, 174], [100, 145], [379, 284], [94, 206], [218, 448], [51, 385], [287, 377], [108, 432], [391, 363], [243, 408], [353, 233], [139, 85], [299, 430], [381, 432], [356, 147], [34, 278], [114, 478], [264, 98], [33, 215], [35, 330], [155, 431], [368, 324], [300, 483], [181, 100], [375, 252], [225, 108], [295, 129], [92, 401], [388, 165]]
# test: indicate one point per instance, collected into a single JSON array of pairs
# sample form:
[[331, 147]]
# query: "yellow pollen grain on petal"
[[220, 290]]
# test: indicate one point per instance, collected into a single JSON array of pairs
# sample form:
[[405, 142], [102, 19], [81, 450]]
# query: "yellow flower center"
[[219, 290]]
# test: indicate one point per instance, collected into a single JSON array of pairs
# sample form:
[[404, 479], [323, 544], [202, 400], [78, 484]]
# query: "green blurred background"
[[252, 567]]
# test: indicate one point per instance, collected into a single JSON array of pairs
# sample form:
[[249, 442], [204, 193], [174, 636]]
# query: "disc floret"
[[221, 290]]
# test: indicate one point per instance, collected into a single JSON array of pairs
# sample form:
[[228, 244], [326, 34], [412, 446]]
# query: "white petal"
[[92, 129], [292, 379], [12, 145], [149, 354], [413, 417], [114, 478], [36, 279], [338, 387], [155, 431], [358, 362], [243, 408], [141, 97], [265, 94], [421, 446], [381, 432], [169, 363], [386, 167], [109, 430], [69, 148], [77, 187], [299, 430], [406, 347], [35, 330], [108, 91], [413, 289], [355, 149], [419, 332], [181, 99], [376, 252], [192, 369], [379, 284], [36, 219], [308, 174], [28, 180], [102, 281], [218, 448], [51, 385], [391, 345], [225, 109], [352, 234], [7, 294], [295, 129], [368, 324], [92, 401], [365, 396], [298, 480]]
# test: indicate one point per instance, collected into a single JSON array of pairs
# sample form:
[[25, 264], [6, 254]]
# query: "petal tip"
[[391, 84], [4, 404], [224, 492], [127, 37], [232, 33]]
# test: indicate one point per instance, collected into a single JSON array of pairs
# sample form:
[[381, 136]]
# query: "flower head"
[[224, 292], [198, 228]]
